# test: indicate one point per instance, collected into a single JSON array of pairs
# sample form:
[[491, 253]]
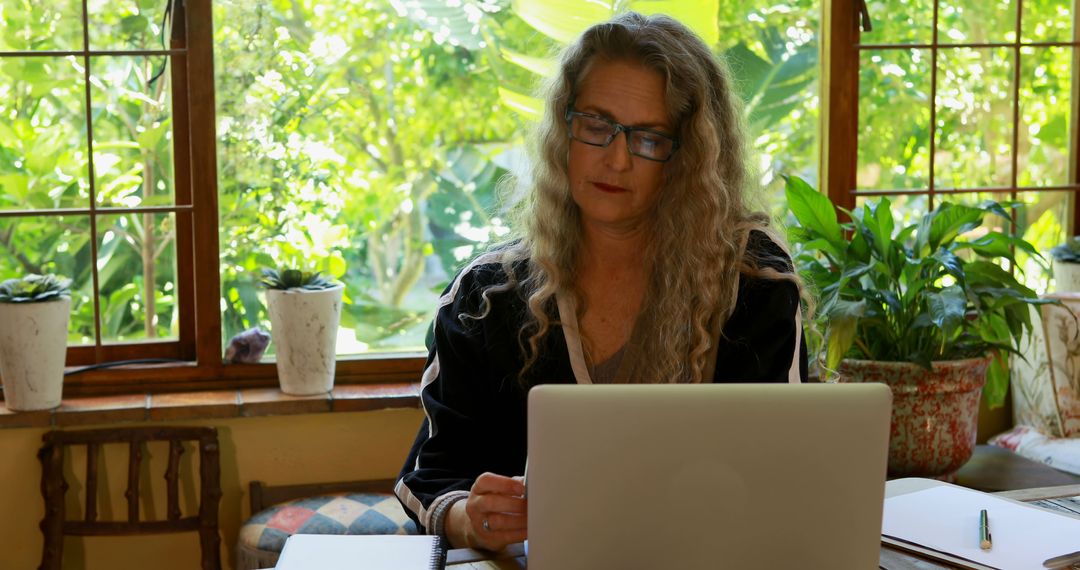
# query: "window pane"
[[894, 119], [137, 276], [974, 118], [369, 142], [1046, 109], [900, 22], [976, 21], [133, 153], [33, 25], [42, 134], [126, 24], [773, 51], [59, 245], [336, 134], [1048, 20], [1044, 222]]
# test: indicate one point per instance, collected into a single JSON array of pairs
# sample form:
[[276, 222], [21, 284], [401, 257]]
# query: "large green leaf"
[[947, 308], [949, 221], [699, 15], [542, 66], [813, 210], [530, 107], [564, 20], [840, 338]]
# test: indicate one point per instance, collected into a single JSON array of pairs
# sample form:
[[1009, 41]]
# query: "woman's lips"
[[609, 188]]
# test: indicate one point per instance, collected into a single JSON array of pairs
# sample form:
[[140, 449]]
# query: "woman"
[[639, 261]]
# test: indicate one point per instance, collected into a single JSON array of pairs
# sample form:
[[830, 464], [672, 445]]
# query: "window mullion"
[[203, 156], [95, 282], [840, 148]]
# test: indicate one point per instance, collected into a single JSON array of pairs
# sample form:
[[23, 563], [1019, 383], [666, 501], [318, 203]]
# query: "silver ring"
[[485, 524]]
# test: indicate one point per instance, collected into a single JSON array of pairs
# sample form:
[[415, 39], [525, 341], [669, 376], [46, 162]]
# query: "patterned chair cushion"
[[1059, 452], [1046, 384], [263, 535]]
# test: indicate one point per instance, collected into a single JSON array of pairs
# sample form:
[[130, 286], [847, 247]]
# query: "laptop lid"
[[707, 476]]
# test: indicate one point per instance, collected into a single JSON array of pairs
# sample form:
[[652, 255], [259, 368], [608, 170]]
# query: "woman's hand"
[[494, 515]]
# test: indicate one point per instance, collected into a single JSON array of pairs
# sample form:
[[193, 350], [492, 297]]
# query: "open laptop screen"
[[707, 476]]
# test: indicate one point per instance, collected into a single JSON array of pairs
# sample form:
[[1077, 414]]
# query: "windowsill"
[[242, 403]]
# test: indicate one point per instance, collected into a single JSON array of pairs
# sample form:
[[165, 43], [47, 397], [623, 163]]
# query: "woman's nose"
[[617, 154]]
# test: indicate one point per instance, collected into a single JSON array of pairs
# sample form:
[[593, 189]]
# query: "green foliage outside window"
[[369, 139]]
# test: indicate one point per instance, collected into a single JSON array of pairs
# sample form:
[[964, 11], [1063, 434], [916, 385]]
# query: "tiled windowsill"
[[248, 402]]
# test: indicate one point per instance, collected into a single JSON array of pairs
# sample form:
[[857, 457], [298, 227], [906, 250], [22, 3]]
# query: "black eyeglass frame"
[[619, 128]]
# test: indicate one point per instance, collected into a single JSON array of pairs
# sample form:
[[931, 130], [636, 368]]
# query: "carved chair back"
[[56, 525]]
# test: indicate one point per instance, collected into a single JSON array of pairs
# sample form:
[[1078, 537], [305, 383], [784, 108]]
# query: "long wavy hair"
[[702, 211]]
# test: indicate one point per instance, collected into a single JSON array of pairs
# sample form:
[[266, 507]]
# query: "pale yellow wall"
[[278, 450]]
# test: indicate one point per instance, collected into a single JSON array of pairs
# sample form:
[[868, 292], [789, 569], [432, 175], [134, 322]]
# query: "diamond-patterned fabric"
[[349, 513]]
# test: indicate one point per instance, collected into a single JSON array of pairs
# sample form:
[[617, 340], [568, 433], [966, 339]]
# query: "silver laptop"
[[742, 476]]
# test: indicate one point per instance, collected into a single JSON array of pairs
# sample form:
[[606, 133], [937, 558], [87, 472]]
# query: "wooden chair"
[[53, 487]]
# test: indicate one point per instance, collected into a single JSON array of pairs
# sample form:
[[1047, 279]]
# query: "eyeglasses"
[[599, 131]]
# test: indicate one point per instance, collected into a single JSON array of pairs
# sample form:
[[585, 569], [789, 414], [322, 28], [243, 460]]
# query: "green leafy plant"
[[1068, 252], [930, 291], [34, 289], [290, 278]]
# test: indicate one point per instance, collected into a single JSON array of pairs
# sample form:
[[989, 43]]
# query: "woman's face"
[[613, 188]]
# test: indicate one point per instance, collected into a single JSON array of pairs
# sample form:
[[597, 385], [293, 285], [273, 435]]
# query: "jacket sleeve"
[[447, 456], [763, 340]]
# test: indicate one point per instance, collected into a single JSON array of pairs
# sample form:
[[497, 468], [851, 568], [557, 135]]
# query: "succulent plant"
[[1068, 252], [34, 289], [290, 278]]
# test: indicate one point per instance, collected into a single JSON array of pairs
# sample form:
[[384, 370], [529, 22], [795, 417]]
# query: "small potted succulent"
[[305, 310], [34, 313], [1066, 263]]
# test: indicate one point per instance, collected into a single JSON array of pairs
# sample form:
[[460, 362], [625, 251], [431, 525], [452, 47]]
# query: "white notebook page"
[[357, 552], [946, 519]]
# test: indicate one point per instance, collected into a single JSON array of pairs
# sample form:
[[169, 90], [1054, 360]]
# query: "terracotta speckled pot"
[[935, 413]]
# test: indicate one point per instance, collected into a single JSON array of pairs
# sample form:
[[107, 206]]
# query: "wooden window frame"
[[839, 163], [198, 347]]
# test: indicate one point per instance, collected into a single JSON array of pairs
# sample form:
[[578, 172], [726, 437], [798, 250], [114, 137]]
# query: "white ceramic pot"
[[33, 348], [304, 325], [1066, 277]]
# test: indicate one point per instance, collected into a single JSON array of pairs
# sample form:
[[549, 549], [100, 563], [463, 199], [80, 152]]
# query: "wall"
[[277, 449]]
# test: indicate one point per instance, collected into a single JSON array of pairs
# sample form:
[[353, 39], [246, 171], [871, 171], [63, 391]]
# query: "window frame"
[[198, 346], [842, 28]]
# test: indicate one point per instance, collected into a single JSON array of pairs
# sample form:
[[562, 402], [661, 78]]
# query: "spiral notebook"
[[363, 552]]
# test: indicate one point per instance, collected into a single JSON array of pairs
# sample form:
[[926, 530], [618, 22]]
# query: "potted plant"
[[1066, 265], [34, 314], [924, 308], [305, 309]]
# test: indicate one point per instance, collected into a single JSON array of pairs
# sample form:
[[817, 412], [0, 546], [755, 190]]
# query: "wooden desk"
[[992, 469], [891, 559]]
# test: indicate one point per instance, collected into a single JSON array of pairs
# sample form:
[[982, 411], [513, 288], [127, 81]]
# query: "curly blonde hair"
[[702, 210]]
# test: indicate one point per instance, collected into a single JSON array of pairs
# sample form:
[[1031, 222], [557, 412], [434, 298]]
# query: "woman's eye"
[[647, 142], [597, 128]]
